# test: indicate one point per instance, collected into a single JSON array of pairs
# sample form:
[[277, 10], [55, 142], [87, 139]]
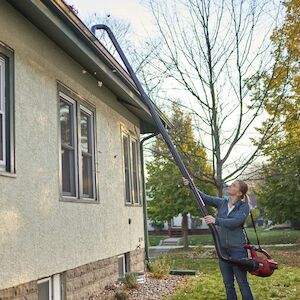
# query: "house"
[[71, 216]]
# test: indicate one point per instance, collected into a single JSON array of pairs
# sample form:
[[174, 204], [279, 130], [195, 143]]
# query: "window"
[[2, 111], [123, 264], [131, 168], [78, 176], [50, 288], [86, 128], [126, 152], [44, 289], [68, 146], [135, 172], [7, 156]]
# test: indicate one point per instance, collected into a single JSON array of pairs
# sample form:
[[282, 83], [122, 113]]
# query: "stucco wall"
[[40, 235]]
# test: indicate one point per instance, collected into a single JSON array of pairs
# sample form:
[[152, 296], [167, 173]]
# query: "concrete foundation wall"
[[80, 282]]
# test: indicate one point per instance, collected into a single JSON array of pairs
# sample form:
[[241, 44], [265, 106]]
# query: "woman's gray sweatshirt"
[[230, 227]]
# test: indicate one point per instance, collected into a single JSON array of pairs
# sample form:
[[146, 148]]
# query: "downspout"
[[144, 197]]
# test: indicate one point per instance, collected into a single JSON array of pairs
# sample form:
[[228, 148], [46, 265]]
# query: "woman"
[[232, 213]]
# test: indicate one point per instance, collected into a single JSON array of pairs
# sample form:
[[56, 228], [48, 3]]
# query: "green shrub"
[[157, 225], [255, 213], [121, 295], [130, 280], [160, 268]]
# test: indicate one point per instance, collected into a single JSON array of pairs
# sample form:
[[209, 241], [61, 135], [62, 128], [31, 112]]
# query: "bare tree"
[[212, 54]]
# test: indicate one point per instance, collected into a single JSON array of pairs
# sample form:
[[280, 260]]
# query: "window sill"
[[8, 174], [76, 200], [133, 204]]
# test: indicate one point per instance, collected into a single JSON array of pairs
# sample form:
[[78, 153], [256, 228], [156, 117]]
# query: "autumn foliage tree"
[[280, 189]]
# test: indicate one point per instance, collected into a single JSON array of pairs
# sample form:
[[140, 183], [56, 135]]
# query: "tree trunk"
[[169, 229], [219, 179], [220, 189], [185, 231]]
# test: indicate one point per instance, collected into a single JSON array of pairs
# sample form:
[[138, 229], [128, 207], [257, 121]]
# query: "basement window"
[[123, 265], [44, 289], [50, 288]]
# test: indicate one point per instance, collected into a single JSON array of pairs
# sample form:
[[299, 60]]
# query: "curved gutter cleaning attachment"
[[249, 264]]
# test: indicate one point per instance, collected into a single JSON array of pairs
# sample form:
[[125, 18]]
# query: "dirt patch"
[[202, 253], [287, 257]]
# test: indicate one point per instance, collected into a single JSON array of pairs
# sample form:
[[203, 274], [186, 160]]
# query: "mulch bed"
[[151, 289]]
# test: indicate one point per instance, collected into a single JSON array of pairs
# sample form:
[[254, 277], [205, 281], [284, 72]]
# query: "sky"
[[130, 10]]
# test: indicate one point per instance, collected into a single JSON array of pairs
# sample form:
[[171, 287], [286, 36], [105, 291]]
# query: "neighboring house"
[[71, 216], [194, 223]]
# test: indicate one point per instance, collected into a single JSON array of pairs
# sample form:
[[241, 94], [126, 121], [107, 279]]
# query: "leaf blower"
[[252, 264], [266, 266]]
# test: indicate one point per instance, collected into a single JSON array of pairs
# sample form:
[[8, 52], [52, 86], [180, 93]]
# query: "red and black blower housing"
[[265, 266]]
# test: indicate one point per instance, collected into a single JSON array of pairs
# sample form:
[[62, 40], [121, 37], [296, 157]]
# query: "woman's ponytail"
[[247, 198], [244, 190]]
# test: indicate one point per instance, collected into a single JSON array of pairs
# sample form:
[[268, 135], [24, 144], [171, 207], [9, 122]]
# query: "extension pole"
[[247, 263]]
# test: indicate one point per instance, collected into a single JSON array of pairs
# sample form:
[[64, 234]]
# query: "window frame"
[[124, 266], [125, 134], [2, 109], [80, 104], [138, 175], [7, 56], [57, 286], [73, 103], [131, 137], [92, 115]]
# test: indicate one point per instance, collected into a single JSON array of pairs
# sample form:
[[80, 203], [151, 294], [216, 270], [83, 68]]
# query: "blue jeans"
[[229, 271]]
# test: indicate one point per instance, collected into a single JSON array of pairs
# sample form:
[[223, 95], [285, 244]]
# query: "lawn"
[[283, 236], [208, 284]]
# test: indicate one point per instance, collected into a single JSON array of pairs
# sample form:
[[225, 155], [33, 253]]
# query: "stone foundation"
[[26, 291], [137, 260], [82, 281]]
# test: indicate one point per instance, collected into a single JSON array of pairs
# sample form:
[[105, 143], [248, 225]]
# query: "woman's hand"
[[209, 219], [185, 181]]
